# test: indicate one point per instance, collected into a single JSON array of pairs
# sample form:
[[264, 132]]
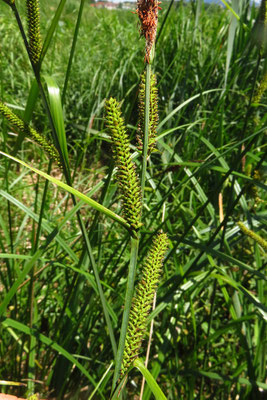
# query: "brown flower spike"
[[147, 11]]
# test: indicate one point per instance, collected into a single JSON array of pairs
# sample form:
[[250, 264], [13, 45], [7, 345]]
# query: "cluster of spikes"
[[126, 175], [18, 124], [153, 113], [147, 11], [143, 300], [33, 17]]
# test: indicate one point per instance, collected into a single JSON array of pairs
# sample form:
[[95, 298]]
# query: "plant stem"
[[164, 21], [127, 306], [73, 46], [206, 349], [33, 311]]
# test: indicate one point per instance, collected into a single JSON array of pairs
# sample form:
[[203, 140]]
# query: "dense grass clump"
[[70, 256]]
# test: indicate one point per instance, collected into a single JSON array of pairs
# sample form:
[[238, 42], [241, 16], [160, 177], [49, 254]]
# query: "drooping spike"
[[18, 124]]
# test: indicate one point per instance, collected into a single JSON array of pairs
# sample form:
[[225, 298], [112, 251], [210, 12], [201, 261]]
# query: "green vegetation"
[[72, 247]]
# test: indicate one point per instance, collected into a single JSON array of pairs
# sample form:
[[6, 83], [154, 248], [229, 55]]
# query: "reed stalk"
[[148, 16]]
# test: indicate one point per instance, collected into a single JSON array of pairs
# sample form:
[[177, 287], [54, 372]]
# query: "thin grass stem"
[[72, 51], [33, 310], [148, 347], [164, 20]]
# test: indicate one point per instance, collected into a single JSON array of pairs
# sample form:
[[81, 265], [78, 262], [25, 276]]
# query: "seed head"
[[147, 11]]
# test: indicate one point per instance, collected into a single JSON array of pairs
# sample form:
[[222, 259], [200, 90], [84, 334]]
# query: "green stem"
[[206, 349], [33, 310], [164, 21], [73, 46], [99, 286], [145, 142], [127, 306], [4, 130]]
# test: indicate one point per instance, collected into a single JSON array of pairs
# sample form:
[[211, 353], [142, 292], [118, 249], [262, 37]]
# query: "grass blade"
[[231, 38], [156, 390], [49, 342], [75, 192], [57, 115]]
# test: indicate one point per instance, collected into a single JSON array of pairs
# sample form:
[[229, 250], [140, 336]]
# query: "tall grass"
[[63, 275]]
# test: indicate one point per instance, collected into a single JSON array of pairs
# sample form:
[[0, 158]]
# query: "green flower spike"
[[153, 113], [34, 397], [261, 89], [126, 175], [253, 235], [143, 300], [33, 17], [20, 125]]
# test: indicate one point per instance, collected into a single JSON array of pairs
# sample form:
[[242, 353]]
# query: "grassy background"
[[209, 337]]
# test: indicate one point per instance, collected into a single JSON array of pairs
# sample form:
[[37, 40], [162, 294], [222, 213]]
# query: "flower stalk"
[[147, 11]]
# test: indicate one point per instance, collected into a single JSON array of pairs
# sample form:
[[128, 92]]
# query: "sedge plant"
[[135, 312], [80, 260]]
